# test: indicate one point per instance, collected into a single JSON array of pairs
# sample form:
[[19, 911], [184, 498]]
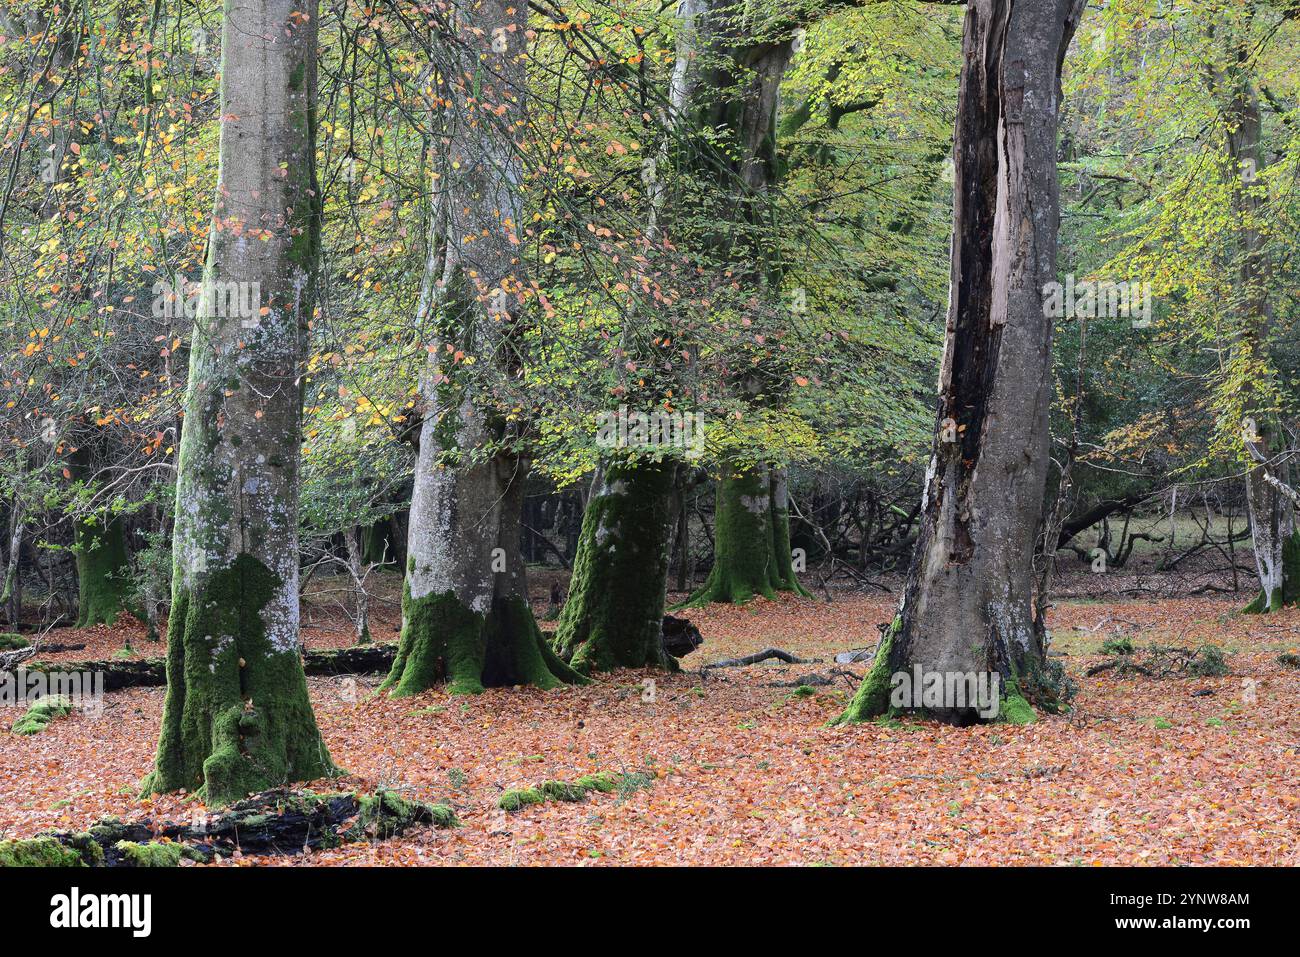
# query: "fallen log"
[[280, 822], [152, 672], [758, 656]]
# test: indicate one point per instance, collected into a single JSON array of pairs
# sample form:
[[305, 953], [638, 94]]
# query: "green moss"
[[614, 615], [38, 852], [518, 653], [11, 642], [90, 851], [441, 640], [152, 854], [514, 800], [236, 718], [108, 830], [744, 565], [1289, 659], [1016, 710], [385, 814], [872, 697], [783, 578], [604, 781], [562, 790], [41, 713]]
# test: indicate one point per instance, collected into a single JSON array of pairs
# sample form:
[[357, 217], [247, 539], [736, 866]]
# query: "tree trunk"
[[378, 543], [357, 570], [731, 82], [968, 605], [751, 539], [103, 570], [1274, 537], [614, 615], [99, 540], [11, 594], [236, 718], [465, 612]]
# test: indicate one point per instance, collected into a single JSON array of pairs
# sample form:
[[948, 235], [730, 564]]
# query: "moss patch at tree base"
[[747, 526], [1016, 710], [872, 697], [443, 641], [236, 718]]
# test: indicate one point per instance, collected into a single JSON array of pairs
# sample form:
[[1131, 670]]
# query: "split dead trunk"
[[968, 605]]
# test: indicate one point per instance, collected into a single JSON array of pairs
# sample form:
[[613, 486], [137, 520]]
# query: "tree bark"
[[614, 615], [103, 566], [465, 612], [11, 594], [358, 569], [968, 604], [1274, 536], [751, 539], [236, 717], [103, 570], [727, 81]]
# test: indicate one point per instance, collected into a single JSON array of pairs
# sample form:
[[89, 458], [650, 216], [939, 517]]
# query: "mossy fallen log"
[[148, 672], [277, 822]]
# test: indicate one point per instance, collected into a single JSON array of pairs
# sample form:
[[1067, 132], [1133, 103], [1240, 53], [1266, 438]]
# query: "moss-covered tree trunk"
[[465, 613], [11, 591], [236, 717], [614, 615], [751, 539], [103, 568], [968, 605], [99, 545]]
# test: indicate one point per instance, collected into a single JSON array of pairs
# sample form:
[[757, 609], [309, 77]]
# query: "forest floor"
[[735, 769]]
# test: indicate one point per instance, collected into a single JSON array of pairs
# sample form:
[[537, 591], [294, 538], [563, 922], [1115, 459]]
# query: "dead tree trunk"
[[968, 606]]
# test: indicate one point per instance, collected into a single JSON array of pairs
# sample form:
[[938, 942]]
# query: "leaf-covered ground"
[[739, 771]]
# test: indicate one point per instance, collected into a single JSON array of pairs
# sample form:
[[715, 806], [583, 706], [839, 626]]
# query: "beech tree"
[[103, 572], [968, 604], [236, 717], [465, 613], [729, 69], [1270, 497]]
